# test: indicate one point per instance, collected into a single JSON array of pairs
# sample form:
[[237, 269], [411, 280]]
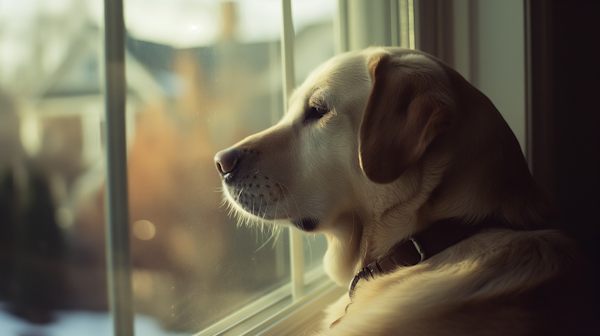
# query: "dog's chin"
[[263, 215], [307, 224]]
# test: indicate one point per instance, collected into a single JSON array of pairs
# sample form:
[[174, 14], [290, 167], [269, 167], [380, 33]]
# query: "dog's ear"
[[408, 107]]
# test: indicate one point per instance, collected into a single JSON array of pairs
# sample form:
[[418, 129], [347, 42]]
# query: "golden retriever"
[[384, 145]]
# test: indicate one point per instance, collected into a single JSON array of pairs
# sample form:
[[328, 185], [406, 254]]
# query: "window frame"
[[118, 250], [294, 307]]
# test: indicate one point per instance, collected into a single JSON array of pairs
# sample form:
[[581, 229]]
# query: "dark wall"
[[565, 120], [564, 116]]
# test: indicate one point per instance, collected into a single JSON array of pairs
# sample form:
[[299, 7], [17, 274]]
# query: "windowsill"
[[277, 314]]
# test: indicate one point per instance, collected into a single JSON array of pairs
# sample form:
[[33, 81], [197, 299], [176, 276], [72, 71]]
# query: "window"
[[201, 75]]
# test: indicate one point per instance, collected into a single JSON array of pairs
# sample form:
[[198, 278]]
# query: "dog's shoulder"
[[500, 280]]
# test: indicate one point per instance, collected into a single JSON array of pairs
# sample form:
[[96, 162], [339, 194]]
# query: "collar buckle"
[[364, 273], [419, 249]]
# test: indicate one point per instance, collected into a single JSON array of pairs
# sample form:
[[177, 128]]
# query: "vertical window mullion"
[[410, 16], [117, 214], [287, 58], [341, 28], [406, 24], [395, 36]]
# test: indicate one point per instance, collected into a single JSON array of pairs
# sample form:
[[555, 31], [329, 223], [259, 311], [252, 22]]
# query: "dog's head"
[[374, 146]]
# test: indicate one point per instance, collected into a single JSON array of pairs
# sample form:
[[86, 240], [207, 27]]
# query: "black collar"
[[427, 243]]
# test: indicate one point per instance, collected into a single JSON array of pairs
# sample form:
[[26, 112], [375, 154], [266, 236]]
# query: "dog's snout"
[[226, 160]]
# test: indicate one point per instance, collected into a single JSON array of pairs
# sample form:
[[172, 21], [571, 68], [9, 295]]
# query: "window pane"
[[52, 255], [203, 75]]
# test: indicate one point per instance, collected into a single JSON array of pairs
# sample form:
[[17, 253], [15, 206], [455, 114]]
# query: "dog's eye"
[[315, 112]]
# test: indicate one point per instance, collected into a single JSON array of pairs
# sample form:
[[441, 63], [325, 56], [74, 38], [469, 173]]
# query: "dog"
[[429, 209]]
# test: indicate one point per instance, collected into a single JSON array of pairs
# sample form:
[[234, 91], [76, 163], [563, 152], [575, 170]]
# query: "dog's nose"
[[226, 160]]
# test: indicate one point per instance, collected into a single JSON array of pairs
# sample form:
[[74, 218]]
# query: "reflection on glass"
[[201, 76]]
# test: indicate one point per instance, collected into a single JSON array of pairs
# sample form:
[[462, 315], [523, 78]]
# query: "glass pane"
[[313, 26], [315, 246], [52, 254], [202, 75]]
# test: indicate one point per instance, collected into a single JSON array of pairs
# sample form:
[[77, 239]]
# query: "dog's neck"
[[397, 219], [372, 232], [421, 196]]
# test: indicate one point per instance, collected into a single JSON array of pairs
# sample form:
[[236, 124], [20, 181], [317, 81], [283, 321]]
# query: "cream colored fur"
[[453, 157]]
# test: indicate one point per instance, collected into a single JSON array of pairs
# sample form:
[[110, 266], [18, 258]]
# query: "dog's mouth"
[[307, 224], [268, 208]]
